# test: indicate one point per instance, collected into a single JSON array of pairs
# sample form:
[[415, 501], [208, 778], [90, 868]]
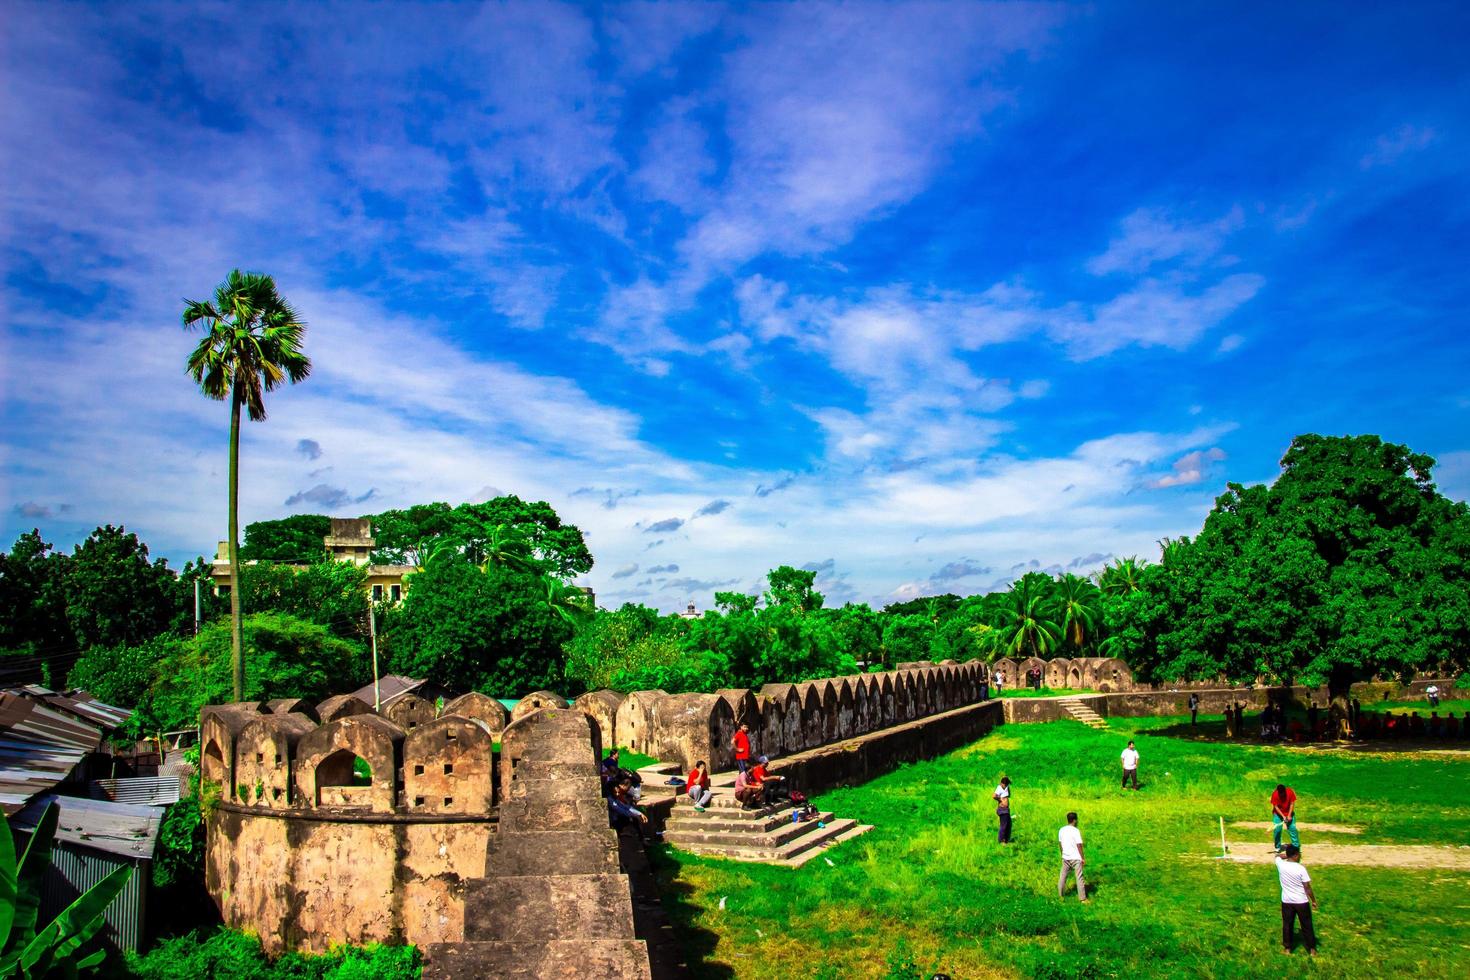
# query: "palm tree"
[[1023, 621], [1078, 608], [565, 600], [1122, 576], [251, 344]]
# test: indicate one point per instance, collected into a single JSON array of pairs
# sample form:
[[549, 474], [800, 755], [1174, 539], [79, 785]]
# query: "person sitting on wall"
[[609, 773], [697, 786], [772, 786], [622, 813], [746, 790]]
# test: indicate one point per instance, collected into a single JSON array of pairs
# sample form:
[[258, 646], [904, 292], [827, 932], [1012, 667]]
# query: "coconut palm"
[[565, 600], [251, 345], [1122, 576], [1078, 605], [1023, 619]]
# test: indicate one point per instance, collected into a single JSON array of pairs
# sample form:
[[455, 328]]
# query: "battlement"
[[409, 760]]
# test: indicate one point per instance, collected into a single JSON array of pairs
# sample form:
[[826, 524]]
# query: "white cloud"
[[1153, 235], [1392, 147], [1189, 468], [1230, 342]]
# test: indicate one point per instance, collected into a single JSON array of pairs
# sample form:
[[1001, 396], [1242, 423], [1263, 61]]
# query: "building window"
[[395, 592], [377, 593], [222, 590]]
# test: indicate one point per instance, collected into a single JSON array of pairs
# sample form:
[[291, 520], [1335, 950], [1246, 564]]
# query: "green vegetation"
[[628, 759], [228, 955], [68, 943], [929, 889], [251, 345], [1351, 565]]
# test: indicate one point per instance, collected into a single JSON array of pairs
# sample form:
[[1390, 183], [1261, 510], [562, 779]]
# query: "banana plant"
[[60, 949]]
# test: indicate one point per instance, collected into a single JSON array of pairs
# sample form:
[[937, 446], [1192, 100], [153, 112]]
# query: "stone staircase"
[[766, 834], [1081, 712], [553, 903]]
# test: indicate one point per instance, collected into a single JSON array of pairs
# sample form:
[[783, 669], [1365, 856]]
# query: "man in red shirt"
[[741, 741], [1283, 815]]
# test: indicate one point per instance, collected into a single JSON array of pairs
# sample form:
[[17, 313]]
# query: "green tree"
[[1350, 565], [1023, 619], [558, 548], [406, 537], [1078, 609], [613, 641], [490, 629], [33, 597], [793, 587], [292, 658], [329, 592], [906, 638], [114, 594], [298, 538], [252, 344], [1121, 577], [858, 631]]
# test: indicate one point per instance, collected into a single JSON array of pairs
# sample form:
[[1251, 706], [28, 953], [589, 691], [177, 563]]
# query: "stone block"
[[341, 706], [410, 711], [535, 701], [325, 760], [548, 907], [483, 708], [449, 767], [566, 959], [264, 750], [602, 707], [552, 852]]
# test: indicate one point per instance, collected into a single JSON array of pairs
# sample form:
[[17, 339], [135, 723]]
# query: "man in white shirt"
[[1069, 839], [1297, 899], [1130, 766], [1433, 693]]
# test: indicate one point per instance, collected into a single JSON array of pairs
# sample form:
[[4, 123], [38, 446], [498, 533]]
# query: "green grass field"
[[929, 889]]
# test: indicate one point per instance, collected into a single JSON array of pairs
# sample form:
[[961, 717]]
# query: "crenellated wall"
[[784, 718]]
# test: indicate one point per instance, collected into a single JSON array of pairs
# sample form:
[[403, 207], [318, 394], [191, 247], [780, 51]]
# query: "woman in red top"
[[697, 786]]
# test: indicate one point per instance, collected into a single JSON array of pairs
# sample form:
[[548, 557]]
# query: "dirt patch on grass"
[[1369, 855], [1326, 828]]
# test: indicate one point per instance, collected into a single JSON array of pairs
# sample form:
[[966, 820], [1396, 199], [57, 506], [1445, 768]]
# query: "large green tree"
[[33, 613], [298, 538], [1350, 565], [252, 344], [114, 594]]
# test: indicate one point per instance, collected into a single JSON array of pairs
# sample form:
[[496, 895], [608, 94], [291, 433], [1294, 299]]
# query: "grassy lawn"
[[1045, 692], [929, 889]]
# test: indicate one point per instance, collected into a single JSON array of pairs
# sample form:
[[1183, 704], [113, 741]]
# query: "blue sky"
[[919, 296]]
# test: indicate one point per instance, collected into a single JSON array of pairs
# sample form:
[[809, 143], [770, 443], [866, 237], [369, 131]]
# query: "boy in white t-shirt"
[[1069, 839], [1130, 766], [1297, 900]]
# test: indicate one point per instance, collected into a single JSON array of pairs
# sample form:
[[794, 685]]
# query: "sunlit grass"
[[932, 877]]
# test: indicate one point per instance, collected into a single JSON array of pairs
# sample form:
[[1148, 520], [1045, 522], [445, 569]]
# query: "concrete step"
[[559, 959], [720, 835], [686, 819], [855, 831], [547, 907], [813, 837]]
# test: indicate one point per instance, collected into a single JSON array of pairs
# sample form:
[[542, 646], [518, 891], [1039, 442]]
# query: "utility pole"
[[373, 635], [196, 607]]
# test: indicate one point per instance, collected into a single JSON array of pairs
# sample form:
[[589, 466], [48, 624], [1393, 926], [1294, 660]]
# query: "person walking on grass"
[[1297, 899], [1193, 710], [1069, 839], [1130, 765], [1283, 816], [1002, 797]]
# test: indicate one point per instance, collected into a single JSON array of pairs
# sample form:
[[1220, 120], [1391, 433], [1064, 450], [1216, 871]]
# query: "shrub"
[[228, 955]]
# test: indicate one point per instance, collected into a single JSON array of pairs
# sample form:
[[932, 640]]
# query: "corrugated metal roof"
[[138, 790], [391, 687], [39, 747], [82, 704], [120, 829]]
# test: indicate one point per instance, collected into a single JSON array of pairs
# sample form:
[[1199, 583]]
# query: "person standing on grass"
[[1130, 765], [1433, 692], [741, 742], [1193, 710], [1297, 899], [1002, 797], [1283, 816], [1069, 839]]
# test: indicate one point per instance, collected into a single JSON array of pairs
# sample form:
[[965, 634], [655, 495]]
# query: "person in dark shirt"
[[1193, 710]]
